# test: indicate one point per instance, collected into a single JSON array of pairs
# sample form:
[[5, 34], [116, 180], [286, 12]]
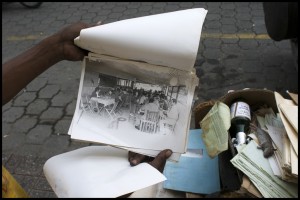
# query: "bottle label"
[[240, 109], [241, 138]]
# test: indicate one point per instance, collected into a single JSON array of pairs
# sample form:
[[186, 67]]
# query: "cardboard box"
[[253, 97], [231, 178]]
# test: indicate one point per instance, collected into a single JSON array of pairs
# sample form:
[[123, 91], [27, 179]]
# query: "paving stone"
[[5, 157], [212, 43], [119, 9], [28, 166], [26, 181], [213, 54], [230, 40], [42, 184], [186, 5], [63, 98], [231, 49], [228, 29], [24, 99], [28, 149], [115, 15], [39, 194], [6, 106], [71, 108], [6, 129], [228, 20], [260, 29], [145, 8], [215, 10], [243, 9], [39, 134], [52, 113], [36, 84], [251, 66], [213, 17], [37, 107], [12, 114], [49, 91], [228, 13], [13, 162], [213, 24], [62, 126], [73, 145], [248, 44], [24, 124], [60, 142], [258, 21], [12, 142], [228, 5], [245, 25], [259, 13], [130, 11], [134, 5]]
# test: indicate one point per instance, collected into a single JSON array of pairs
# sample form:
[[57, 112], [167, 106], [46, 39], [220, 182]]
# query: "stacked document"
[[252, 163], [288, 112], [138, 81], [283, 130]]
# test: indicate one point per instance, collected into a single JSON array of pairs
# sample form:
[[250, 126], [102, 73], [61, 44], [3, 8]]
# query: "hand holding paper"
[[158, 162], [97, 171], [154, 55]]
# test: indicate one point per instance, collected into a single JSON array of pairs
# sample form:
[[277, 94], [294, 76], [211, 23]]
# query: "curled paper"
[[169, 39]]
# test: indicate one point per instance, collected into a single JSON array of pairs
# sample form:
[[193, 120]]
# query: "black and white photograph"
[[131, 109]]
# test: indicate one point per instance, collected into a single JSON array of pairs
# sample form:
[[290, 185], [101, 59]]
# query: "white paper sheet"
[[168, 39], [94, 127], [160, 48], [98, 171]]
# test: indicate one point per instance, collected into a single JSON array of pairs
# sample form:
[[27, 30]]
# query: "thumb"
[[160, 160]]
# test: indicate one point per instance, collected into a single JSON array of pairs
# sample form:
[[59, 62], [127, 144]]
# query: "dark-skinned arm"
[[19, 71]]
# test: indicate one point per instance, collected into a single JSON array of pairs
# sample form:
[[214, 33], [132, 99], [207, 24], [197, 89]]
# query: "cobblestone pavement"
[[235, 52]]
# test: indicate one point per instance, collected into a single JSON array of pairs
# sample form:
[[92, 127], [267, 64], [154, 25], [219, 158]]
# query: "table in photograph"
[[106, 101]]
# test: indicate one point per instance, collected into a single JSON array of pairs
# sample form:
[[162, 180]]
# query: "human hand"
[[158, 162], [66, 36]]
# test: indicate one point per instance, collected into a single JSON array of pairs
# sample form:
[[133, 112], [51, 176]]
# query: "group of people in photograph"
[[137, 103]]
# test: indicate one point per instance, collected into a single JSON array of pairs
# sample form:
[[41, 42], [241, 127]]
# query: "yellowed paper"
[[294, 163], [294, 97], [247, 184], [215, 127], [252, 163], [293, 136], [291, 113]]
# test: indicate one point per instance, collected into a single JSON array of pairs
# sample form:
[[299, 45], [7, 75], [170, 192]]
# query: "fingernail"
[[168, 153], [134, 162]]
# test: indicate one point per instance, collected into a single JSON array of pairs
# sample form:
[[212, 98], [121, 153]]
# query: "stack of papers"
[[132, 62], [252, 163], [286, 140]]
